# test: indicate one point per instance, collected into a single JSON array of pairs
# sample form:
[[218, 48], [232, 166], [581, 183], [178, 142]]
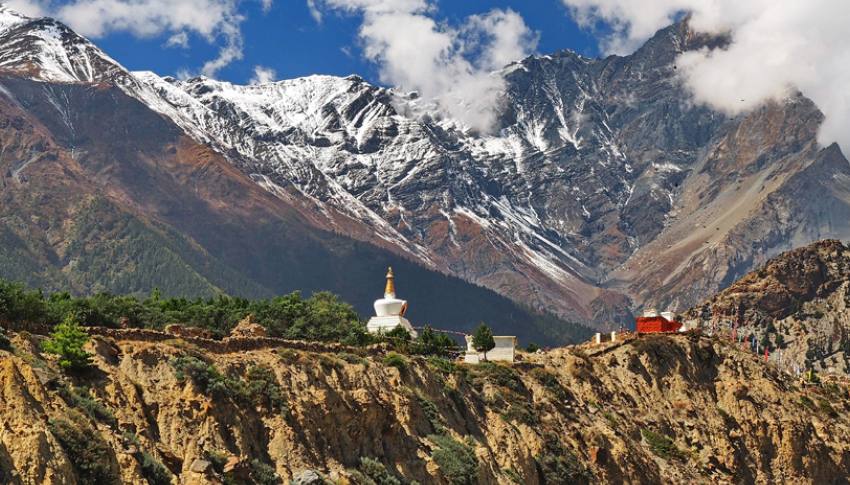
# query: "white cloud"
[[778, 46], [30, 8], [452, 65], [314, 11], [180, 39], [263, 74], [213, 20]]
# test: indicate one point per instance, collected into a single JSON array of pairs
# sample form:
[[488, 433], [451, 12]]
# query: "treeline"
[[321, 317]]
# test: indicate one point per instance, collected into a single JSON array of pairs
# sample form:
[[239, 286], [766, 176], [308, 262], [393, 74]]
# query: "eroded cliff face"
[[664, 409]]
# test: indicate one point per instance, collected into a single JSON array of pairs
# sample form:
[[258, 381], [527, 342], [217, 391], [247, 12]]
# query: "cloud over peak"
[[212, 20], [777, 47], [451, 65]]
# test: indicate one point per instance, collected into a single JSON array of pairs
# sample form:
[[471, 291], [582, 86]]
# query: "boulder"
[[307, 477], [249, 328], [200, 466]]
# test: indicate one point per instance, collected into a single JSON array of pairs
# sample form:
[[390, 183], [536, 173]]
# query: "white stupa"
[[389, 311]]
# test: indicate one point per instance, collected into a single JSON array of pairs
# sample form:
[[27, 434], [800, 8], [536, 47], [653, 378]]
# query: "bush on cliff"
[[154, 472], [82, 399], [88, 453], [264, 389], [203, 375], [373, 472], [67, 341], [260, 388], [662, 446], [5, 343], [398, 361], [457, 461], [557, 464]]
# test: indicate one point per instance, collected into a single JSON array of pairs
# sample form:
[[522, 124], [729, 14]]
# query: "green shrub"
[[662, 446], [513, 476], [520, 412], [217, 458], [154, 471], [208, 379], [82, 399], [263, 389], [559, 465], [329, 362], [377, 473], [499, 375], [263, 473], [398, 361], [430, 342], [825, 407], [442, 364], [67, 341], [532, 348], [353, 358], [399, 333], [457, 461], [432, 413], [5, 343], [88, 453]]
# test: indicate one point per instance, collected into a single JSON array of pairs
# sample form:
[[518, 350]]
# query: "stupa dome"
[[389, 305]]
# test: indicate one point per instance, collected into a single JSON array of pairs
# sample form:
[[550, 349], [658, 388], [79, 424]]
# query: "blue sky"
[[287, 39]]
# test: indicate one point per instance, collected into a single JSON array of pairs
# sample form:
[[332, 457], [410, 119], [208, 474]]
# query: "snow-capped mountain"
[[603, 187], [543, 209]]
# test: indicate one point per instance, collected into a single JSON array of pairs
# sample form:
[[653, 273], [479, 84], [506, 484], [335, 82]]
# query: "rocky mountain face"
[[601, 189], [659, 409], [797, 304]]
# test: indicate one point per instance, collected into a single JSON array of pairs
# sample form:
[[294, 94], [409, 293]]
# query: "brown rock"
[[249, 328], [200, 466]]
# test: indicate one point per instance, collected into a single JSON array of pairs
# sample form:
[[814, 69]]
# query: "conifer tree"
[[483, 340], [67, 341]]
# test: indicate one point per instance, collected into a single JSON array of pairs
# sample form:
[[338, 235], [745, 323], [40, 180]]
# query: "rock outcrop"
[[797, 303], [248, 328], [656, 409]]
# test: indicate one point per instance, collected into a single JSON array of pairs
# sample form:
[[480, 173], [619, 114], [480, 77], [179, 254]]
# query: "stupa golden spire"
[[389, 291]]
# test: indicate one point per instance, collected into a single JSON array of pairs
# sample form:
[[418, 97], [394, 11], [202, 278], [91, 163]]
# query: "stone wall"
[[234, 344], [34, 328]]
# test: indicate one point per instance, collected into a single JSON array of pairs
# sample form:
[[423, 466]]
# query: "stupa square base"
[[388, 323]]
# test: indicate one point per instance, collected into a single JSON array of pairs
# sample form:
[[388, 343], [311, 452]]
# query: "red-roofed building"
[[653, 322]]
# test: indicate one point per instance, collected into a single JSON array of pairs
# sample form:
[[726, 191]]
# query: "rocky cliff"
[[662, 409], [796, 304]]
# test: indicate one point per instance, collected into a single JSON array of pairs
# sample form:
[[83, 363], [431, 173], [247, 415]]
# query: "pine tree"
[[483, 340], [67, 341]]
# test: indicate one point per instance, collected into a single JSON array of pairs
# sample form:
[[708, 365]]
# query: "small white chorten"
[[389, 311]]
